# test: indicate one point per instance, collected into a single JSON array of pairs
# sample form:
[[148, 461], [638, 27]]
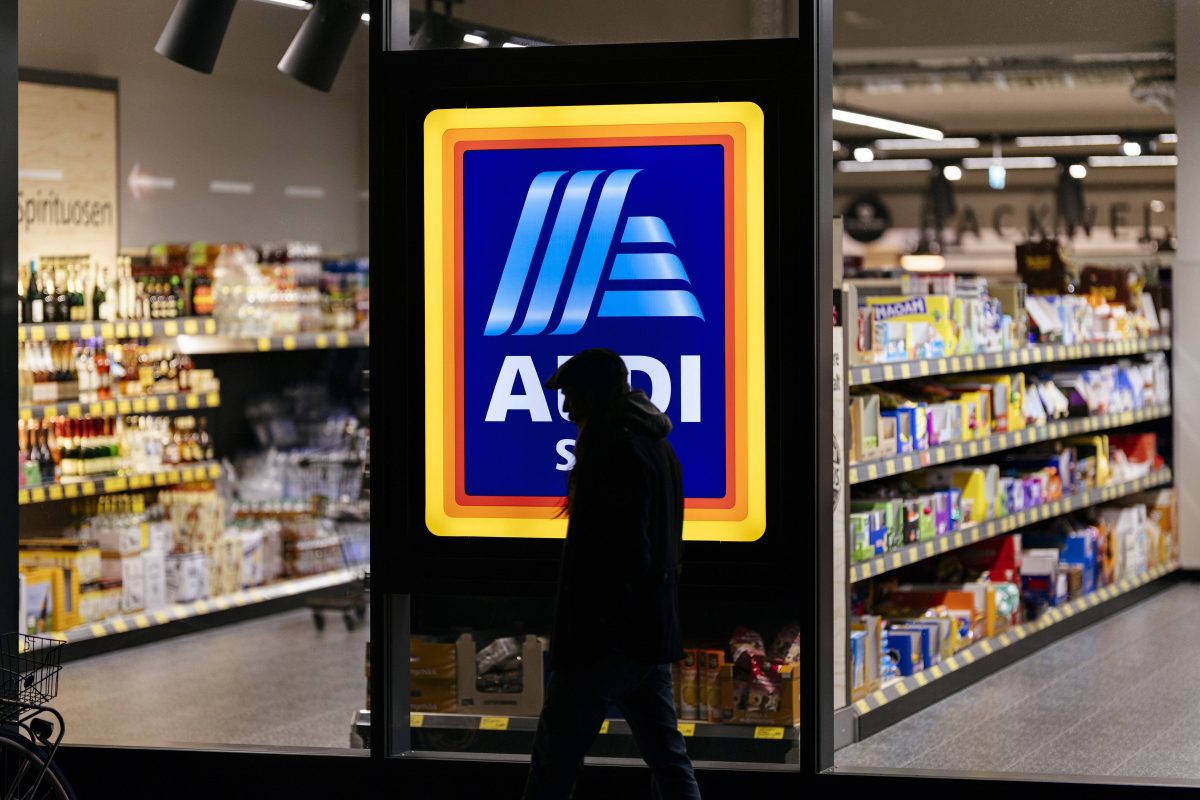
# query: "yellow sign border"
[[555, 120]]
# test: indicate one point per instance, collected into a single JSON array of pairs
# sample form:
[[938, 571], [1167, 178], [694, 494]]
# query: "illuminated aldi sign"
[[550, 230]]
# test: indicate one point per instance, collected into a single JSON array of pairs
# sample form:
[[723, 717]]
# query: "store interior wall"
[[246, 122]]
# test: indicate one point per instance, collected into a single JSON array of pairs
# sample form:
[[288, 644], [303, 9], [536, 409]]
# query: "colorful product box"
[[905, 648]]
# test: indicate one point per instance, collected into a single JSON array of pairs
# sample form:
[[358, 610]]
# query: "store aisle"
[[272, 681], [1118, 698]]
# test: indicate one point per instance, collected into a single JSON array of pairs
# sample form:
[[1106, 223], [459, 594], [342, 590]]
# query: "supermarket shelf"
[[112, 484], [712, 730], [182, 611], [706, 740], [1033, 354], [969, 534], [184, 401], [113, 331], [911, 693], [131, 630], [198, 336], [896, 465], [333, 340]]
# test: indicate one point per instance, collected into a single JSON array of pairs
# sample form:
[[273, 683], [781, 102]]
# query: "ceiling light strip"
[[954, 143], [1011, 162], [885, 124], [1084, 140], [887, 165], [1133, 161]]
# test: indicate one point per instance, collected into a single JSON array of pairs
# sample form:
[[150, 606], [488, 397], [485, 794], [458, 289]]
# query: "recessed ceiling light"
[[952, 172], [475, 39], [1131, 148], [864, 154], [1077, 171]]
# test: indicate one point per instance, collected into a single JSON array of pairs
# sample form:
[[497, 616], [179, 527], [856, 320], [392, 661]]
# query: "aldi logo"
[[550, 230]]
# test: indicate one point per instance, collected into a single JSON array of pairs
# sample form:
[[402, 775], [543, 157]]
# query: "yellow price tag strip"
[[493, 723], [764, 732], [416, 720], [604, 726], [686, 728]]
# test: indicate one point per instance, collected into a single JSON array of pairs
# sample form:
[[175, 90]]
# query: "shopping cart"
[[29, 668], [349, 600]]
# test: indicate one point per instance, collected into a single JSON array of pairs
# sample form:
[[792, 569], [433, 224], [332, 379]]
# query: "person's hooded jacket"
[[617, 591]]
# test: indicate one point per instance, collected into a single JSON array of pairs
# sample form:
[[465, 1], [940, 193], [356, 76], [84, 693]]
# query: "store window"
[[193, 414], [482, 548], [1013, 465]]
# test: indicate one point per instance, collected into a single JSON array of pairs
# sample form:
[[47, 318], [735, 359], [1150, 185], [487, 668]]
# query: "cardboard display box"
[[433, 676], [786, 715], [527, 702]]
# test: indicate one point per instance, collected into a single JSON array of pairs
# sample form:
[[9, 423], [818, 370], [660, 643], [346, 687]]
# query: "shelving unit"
[[113, 484], [1020, 357], [153, 404], [896, 465], [905, 696], [116, 331], [476, 733], [199, 335], [990, 654], [143, 620], [978, 532]]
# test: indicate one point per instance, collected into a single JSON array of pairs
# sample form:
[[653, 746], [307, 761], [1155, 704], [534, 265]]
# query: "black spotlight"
[[316, 54], [194, 33]]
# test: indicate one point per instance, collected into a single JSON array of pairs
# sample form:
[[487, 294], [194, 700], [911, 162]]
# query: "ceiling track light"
[[193, 34], [316, 53]]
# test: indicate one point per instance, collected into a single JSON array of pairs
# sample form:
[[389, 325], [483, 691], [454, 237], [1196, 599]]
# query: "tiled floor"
[[272, 681], [1116, 699]]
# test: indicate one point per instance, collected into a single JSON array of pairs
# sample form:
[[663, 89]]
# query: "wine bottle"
[[36, 304]]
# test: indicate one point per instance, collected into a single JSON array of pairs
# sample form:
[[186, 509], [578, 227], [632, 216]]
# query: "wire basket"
[[29, 667]]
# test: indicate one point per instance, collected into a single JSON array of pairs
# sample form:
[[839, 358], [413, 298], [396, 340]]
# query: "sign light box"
[[553, 229]]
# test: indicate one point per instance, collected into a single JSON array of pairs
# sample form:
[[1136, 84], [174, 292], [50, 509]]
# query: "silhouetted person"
[[616, 629]]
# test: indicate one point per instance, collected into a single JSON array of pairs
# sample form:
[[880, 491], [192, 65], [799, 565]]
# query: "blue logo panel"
[[570, 248]]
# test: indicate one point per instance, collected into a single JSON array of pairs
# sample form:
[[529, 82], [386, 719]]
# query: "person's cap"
[[597, 369]]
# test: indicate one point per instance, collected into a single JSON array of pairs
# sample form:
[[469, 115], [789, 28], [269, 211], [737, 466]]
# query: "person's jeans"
[[576, 702]]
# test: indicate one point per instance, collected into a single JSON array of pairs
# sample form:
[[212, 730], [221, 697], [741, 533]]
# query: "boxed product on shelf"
[[433, 676], [505, 675], [252, 558], [770, 696], [186, 577], [1164, 513], [154, 576], [71, 555], [709, 679], [43, 590], [130, 570], [100, 600], [865, 655], [686, 684]]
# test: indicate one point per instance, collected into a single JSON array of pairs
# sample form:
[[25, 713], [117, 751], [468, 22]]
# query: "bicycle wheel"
[[20, 767]]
